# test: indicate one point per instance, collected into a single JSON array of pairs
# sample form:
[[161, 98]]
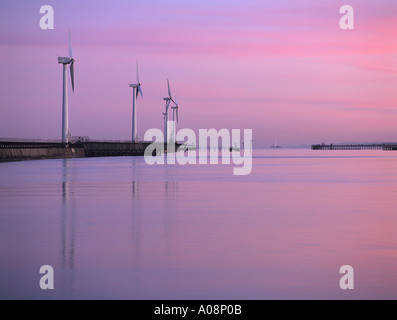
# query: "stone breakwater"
[[14, 151]]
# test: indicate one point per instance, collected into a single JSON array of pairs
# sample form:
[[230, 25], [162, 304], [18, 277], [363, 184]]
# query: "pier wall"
[[12, 154], [14, 151], [114, 149]]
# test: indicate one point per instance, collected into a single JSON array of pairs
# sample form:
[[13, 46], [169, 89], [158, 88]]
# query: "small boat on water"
[[275, 146]]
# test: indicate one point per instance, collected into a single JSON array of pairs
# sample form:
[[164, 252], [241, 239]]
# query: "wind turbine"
[[168, 101], [136, 91], [174, 111], [65, 112]]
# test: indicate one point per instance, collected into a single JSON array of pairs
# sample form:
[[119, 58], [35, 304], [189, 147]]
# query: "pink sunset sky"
[[282, 68]]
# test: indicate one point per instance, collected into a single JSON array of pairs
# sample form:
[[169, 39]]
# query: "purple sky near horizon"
[[284, 69]]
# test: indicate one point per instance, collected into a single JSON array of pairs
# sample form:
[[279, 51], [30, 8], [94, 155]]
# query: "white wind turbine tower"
[[65, 112], [136, 91], [165, 122], [174, 111], [167, 105]]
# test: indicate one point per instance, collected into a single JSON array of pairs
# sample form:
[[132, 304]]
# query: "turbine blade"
[[137, 72], [70, 45], [177, 115], [169, 89], [140, 91], [137, 93], [174, 102], [72, 74]]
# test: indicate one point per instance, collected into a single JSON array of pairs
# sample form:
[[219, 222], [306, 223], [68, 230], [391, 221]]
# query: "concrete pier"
[[14, 151], [114, 149]]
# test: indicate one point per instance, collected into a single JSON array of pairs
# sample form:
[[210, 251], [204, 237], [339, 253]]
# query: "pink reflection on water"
[[120, 229]]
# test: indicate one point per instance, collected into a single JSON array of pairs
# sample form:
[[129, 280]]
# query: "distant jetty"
[[383, 146], [16, 151]]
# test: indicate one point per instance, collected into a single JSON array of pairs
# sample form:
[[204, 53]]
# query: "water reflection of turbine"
[[136, 206], [170, 187], [170, 201], [68, 224]]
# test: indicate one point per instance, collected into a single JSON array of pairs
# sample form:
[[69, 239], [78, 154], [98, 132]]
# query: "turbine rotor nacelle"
[[65, 60], [134, 85]]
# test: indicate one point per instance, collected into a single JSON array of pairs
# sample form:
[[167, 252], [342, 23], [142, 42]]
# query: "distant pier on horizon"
[[381, 146]]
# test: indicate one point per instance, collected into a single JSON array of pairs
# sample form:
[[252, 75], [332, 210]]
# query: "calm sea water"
[[116, 228]]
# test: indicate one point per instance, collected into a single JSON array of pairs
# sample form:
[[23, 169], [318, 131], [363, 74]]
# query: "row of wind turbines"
[[137, 90]]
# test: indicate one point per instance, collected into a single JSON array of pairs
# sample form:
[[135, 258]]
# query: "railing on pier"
[[30, 145]]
